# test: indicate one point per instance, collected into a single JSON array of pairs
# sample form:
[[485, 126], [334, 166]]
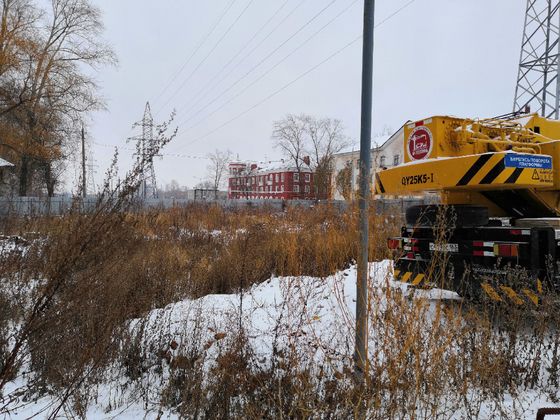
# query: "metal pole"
[[84, 192], [360, 350]]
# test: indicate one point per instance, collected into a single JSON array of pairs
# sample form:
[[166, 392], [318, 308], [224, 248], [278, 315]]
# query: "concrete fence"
[[39, 206]]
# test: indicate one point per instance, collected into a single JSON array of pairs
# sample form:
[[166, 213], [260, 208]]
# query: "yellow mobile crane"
[[499, 186]]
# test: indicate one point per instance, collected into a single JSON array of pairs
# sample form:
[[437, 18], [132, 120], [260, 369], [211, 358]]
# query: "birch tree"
[[218, 166]]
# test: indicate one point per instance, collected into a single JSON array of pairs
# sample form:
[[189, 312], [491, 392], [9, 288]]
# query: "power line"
[[239, 16], [200, 44], [276, 92], [245, 45], [176, 155], [183, 155], [299, 47], [301, 76], [293, 35], [396, 12], [278, 25]]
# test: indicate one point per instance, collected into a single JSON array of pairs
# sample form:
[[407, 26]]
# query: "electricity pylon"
[[145, 147], [538, 86]]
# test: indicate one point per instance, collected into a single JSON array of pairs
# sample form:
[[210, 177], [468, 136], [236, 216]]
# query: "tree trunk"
[[49, 179], [24, 176]]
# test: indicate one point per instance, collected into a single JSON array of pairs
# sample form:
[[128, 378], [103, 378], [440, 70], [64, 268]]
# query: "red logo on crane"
[[420, 143]]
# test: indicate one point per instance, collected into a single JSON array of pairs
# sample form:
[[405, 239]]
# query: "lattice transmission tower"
[[92, 171], [538, 87], [146, 143]]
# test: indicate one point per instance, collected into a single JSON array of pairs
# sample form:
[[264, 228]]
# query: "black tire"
[[459, 215]]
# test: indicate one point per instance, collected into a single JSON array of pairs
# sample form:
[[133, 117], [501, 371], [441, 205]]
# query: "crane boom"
[[487, 162]]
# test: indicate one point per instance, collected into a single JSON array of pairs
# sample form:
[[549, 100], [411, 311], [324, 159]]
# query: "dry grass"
[[68, 299]]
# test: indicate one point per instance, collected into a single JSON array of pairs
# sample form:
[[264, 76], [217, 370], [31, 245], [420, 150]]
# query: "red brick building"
[[272, 180]]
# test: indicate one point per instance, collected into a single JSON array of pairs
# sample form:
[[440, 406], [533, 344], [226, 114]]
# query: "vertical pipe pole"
[[360, 350], [84, 192]]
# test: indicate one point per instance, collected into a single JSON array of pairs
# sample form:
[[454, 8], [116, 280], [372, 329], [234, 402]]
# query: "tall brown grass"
[[70, 292]]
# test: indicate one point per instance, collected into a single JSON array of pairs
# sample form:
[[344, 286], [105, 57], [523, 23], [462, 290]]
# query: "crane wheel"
[[458, 215]]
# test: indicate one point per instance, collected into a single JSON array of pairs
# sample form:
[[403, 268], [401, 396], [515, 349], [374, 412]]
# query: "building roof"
[[281, 166], [5, 163], [272, 166]]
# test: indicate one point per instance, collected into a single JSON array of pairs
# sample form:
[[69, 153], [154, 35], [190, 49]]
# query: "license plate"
[[444, 247]]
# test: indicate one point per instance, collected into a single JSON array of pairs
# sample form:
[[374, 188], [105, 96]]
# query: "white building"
[[387, 152], [6, 169]]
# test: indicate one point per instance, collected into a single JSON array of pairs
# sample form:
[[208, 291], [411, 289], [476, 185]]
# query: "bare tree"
[[205, 185], [298, 136], [218, 167], [173, 187], [326, 138], [17, 31], [18, 37], [51, 93], [174, 190], [289, 136]]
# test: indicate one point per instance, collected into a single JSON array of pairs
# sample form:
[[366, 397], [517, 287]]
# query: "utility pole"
[[360, 349], [84, 188]]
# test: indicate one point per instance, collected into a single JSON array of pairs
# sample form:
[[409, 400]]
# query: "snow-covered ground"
[[283, 310]]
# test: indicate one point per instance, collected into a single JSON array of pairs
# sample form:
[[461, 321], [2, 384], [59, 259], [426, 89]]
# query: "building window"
[[277, 178], [296, 177], [307, 177], [396, 160], [296, 188], [382, 161], [282, 177], [307, 188]]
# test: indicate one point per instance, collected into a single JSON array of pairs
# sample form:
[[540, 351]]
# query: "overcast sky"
[[431, 57]]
